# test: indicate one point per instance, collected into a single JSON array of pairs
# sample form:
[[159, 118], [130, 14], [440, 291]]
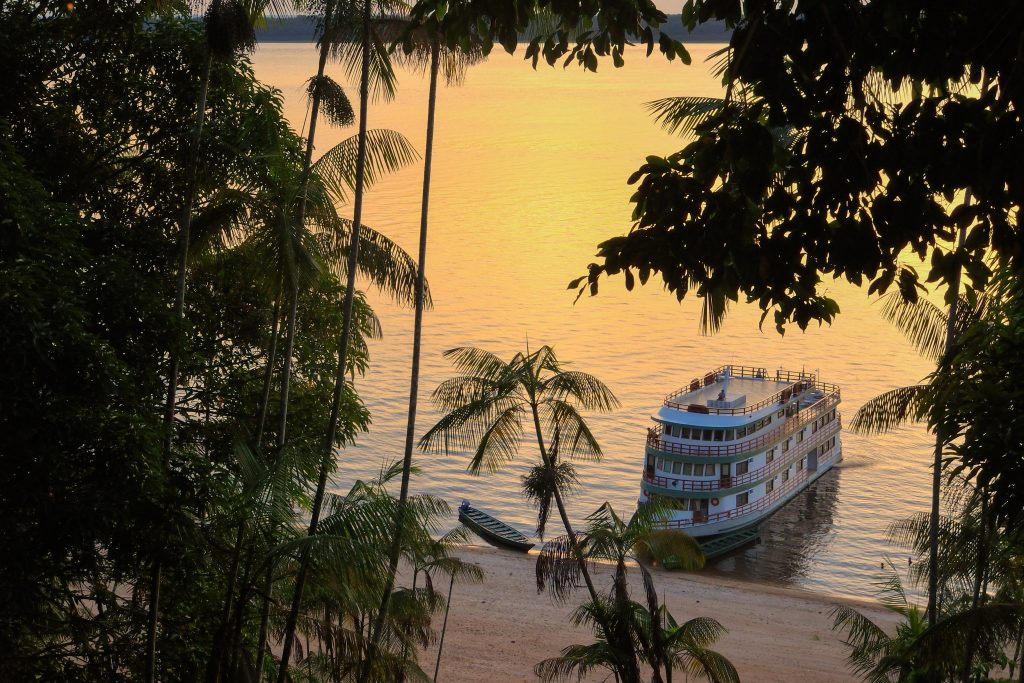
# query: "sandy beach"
[[499, 629]]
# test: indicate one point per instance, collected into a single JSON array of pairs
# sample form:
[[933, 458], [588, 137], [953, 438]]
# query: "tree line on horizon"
[[184, 331]]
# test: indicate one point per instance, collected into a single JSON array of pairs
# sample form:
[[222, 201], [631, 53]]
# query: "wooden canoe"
[[493, 530]]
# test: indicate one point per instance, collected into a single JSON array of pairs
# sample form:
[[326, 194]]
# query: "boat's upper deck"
[[733, 394], [750, 390]]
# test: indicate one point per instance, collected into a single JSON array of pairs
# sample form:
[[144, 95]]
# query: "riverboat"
[[736, 444]]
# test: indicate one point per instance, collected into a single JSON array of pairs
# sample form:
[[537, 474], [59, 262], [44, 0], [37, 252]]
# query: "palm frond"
[[676, 546], [921, 322], [683, 114], [387, 151], [583, 388], [476, 362], [890, 410], [557, 569], [711, 665], [346, 46], [382, 261], [576, 440], [575, 661], [499, 442]]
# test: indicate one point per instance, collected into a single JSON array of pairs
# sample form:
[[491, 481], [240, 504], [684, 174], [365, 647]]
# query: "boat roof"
[[741, 391]]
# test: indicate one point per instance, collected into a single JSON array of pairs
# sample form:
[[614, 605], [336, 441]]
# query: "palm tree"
[[455, 64], [627, 638], [487, 402], [348, 562], [369, 54], [321, 242], [932, 331], [874, 654], [685, 647]]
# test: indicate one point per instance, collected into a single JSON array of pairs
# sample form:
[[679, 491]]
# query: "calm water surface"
[[529, 175]]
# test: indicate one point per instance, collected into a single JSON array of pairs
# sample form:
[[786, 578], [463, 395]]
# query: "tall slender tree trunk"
[[933, 520], [410, 428], [981, 564], [346, 331], [222, 636], [268, 375], [261, 647], [444, 626], [184, 237]]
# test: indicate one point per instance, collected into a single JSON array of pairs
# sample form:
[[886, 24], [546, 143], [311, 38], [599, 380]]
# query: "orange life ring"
[[714, 501]]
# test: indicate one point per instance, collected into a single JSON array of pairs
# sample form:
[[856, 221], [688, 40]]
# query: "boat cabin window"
[[742, 498], [688, 468], [769, 485], [677, 467], [785, 474], [661, 463], [742, 467], [769, 455], [698, 469], [719, 434], [800, 436], [785, 445], [726, 469]]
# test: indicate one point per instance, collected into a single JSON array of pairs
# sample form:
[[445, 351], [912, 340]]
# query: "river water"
[[530, 172]]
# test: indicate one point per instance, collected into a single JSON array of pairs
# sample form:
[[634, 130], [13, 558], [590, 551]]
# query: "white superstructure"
[[733, 446]]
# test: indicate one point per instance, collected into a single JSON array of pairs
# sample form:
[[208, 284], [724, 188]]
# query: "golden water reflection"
[[529, 175]]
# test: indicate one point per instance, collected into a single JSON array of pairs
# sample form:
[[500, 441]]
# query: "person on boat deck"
[[464, 505], [721, 395]]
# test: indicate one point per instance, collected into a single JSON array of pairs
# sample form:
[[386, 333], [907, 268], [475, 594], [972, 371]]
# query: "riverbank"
[[499, 629]]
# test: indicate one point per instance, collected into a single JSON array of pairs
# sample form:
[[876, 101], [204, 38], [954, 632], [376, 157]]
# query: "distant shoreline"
[[303, 30]]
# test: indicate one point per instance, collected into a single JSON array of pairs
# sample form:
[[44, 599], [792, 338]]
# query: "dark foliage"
[[894, 128]]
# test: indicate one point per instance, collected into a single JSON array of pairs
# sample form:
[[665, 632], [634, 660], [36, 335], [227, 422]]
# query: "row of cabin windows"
[[823, 420], [827, 445], [684, 504], [699, 434], [689, 469]]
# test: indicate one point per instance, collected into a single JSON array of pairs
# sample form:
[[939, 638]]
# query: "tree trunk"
[[175, 356], [410, 429], [268, 375], [444, 627], [346, 332], [933, 520], [222, 636], [261, 647], [979, 582]]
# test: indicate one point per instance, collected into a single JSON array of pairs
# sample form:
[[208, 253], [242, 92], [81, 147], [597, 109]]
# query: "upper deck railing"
[[800, 382], [800, 420]]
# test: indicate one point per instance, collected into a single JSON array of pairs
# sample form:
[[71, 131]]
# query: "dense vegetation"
[[113, 514], [182, 330]]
